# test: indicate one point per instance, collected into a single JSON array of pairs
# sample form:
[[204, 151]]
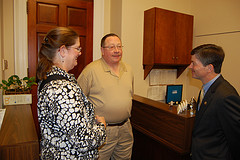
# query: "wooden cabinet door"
[[173, 37], [184, 38], [164, 37], [44, 15]]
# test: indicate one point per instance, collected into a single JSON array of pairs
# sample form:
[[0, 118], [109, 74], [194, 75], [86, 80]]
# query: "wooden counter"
[[159, 132], [18, 137]]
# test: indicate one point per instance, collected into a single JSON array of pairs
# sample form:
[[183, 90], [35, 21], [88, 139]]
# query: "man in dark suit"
[[216, 132]]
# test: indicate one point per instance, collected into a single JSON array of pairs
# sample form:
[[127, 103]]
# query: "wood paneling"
[[47, 14], [18, 136], [77, 13], [168, 133]]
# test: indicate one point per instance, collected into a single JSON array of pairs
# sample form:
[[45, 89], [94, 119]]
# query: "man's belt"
[[118, 124]]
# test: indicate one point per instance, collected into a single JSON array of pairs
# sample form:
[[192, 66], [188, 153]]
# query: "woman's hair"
[[54, 39]]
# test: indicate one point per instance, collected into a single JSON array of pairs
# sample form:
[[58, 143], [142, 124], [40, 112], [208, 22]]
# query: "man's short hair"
[[106, 36], [210, 54]]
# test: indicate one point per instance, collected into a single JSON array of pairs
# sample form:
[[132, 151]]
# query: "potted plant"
[[16, 90], [15, 85]]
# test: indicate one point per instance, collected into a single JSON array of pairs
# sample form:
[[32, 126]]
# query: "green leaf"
[[26, 78], [4, 82]]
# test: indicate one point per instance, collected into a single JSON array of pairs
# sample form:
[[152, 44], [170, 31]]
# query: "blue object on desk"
[[174, 93]]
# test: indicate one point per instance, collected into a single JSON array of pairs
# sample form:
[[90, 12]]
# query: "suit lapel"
[[207, 100]]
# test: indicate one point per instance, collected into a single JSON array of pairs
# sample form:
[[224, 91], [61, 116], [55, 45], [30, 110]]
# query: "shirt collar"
[[106, 67], [207, 85]]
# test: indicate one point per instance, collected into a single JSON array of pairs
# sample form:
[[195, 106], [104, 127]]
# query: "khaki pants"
[[119, 142]]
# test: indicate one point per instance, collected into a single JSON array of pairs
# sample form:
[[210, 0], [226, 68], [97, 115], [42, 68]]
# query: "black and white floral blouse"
[[67, 120]]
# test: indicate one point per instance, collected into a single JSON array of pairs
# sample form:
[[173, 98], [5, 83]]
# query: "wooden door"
[[44, 15]]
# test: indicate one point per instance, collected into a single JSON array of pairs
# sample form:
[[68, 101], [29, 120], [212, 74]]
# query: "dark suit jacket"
[[216, 132]]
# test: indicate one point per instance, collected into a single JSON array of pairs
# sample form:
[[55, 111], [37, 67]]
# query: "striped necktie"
[[201, 97]]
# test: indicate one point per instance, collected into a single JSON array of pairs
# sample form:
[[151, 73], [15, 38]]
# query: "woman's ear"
[[62, 51]]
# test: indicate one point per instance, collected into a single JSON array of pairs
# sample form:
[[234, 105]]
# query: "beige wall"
[[14, 37], [132, 36], [1, 37], [218, 24], [98, 29], [20, 38], [209, 18], [7, 37]]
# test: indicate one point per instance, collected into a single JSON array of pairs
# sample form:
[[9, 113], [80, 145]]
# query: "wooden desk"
[[18, 137], [159, 132]]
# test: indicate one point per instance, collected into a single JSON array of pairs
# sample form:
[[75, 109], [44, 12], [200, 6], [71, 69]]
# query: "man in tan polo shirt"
[[108, 83]]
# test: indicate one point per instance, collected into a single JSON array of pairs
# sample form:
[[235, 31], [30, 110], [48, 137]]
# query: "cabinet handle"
[[176, 58], [173, 58]]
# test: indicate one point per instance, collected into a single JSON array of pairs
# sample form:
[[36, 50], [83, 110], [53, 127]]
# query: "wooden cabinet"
[[18, 136], [159, 132], [167, 40]]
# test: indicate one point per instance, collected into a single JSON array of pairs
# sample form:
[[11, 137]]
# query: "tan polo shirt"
[[111, 95]]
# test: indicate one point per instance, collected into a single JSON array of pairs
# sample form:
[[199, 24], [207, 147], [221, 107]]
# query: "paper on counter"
[[2, 113]]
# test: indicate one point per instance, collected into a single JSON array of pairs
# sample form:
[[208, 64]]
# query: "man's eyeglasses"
[[79, 49], [112, 47]]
